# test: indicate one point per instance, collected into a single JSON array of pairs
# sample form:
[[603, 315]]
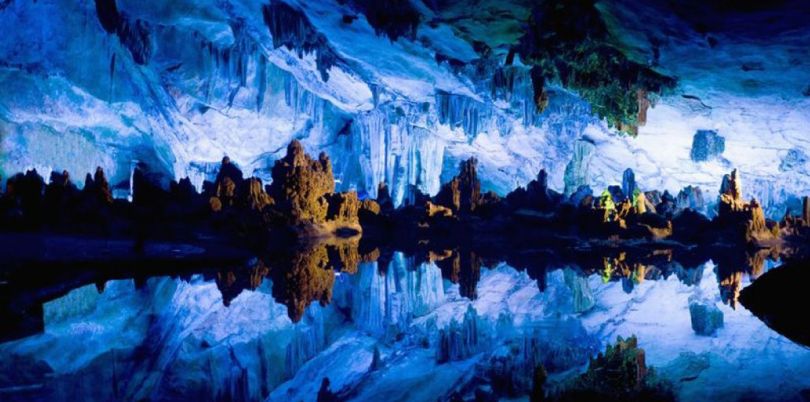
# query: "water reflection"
[[387, 324]]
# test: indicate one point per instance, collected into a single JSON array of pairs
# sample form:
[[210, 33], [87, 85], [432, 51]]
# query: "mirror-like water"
[[397, 329]]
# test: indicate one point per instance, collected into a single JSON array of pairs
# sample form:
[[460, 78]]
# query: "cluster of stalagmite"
[[462, 194], [732, 209], [302, 192], [302, 196]]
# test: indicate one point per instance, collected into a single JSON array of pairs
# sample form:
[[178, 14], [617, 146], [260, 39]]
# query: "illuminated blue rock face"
[[179, 84]]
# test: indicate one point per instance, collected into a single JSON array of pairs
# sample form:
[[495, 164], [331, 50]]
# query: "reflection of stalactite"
[[459, 340]]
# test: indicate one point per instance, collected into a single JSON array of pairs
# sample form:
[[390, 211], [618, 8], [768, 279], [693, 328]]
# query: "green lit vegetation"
[[569, 43]]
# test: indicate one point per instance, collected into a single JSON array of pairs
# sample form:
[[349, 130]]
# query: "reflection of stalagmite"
[[232, 282], [464, 268], [344, 256], [730, 287], [303, 278]]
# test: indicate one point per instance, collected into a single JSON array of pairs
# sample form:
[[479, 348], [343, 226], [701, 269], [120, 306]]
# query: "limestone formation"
[[370, 206], [226, 191], [384, 198], [102, 187], [300, 185], [432, 210], [733, 212], [690, 197], [255, 196], [463, 193], [707, 145], [730, 194], [706, 317], [343, 207], [629, 183], [302, 278]]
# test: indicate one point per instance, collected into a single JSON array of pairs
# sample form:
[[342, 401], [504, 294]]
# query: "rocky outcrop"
[[462, 194], [629, 183], [384, 198], [706, 317], [301, 278], [343, 207], [255, 196], [747, 220], [690, 197], [536, 196], [730, 194], [301, 185], [707, 145], [98, 188]]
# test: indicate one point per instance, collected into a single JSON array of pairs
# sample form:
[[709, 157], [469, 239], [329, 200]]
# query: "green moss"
[[569, 43]]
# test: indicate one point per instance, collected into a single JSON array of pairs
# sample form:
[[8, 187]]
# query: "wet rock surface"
[[706, 318]]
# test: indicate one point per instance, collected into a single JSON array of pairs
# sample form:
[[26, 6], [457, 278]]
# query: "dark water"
[[396, 329]]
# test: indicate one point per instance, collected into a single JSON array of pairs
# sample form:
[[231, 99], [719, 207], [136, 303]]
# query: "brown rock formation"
[[254, 196], [301, 184], [215, 204], [371, 207], [303, 278], [433, 210], [730, 194], [463, 193], [343, 207], [733, 212], [226, 191], [102, 186]]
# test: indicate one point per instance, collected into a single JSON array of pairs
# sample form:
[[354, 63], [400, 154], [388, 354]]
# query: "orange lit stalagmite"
[[303, 191], [735, 213]]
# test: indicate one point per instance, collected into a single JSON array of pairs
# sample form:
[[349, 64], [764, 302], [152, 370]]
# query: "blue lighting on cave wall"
[[655, 100]]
